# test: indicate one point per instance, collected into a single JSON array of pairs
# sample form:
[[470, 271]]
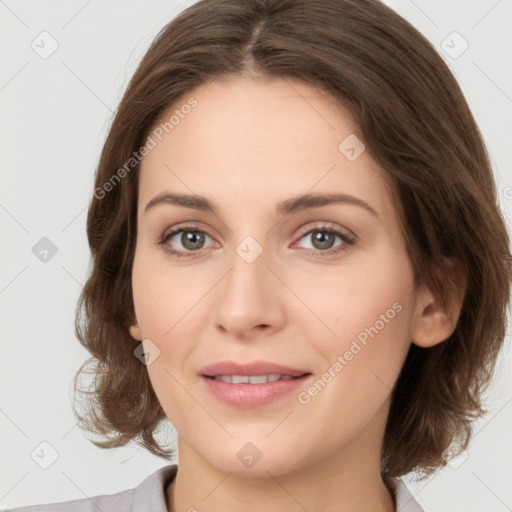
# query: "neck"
[[279, 495], [345, 479]]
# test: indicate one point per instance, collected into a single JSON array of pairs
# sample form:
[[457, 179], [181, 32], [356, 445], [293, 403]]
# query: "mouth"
[[251, 384]]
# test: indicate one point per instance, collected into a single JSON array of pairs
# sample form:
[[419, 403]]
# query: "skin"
[[248, 144]]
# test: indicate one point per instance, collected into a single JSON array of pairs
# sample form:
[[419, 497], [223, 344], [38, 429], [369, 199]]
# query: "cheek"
[[167, 315], [167, 304], [162, 294], [345, 301], [362, 331]]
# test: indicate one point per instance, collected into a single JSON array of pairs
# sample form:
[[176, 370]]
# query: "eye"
[[323, 239], [190, 238]]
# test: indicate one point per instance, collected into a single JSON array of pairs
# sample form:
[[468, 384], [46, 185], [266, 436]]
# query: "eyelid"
[[172, 231], [325, 225]]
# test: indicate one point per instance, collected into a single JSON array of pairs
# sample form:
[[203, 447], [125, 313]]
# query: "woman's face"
[[273, 271]]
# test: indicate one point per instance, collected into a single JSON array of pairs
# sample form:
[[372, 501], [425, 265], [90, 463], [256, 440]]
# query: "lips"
[[253, 384], [230, 368]]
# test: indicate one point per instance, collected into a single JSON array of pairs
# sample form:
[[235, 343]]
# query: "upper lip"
[[254, 368]]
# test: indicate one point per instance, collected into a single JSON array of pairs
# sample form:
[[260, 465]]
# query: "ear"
[[432, 325], [135, 331]]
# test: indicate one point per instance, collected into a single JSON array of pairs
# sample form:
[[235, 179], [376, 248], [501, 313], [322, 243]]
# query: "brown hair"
[[416, 125]]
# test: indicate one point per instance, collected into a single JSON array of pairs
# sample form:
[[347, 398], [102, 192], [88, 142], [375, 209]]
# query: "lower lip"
[[252, 395]]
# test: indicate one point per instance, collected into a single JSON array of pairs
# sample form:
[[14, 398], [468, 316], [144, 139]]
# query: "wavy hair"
[[416, 125]]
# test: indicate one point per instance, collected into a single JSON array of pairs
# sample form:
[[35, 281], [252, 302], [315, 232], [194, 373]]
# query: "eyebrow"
[[294, 204]]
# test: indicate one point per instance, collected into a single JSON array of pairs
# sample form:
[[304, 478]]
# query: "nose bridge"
[[247, 297], [249, 266]]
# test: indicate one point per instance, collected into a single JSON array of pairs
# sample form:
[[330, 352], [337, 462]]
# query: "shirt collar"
[[150, 493], [405, 501]]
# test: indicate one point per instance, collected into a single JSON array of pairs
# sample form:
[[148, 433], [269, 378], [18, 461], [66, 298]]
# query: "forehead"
[[246, 139]]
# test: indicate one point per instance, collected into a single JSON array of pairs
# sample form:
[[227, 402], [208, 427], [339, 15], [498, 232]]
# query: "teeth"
[[253, 379]]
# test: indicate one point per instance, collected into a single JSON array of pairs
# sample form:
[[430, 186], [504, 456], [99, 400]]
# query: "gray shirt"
[[149, 495]]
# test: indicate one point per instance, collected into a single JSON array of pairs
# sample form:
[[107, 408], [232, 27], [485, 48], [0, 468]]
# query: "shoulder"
[[106, 503], [148, 495], [405, 501]]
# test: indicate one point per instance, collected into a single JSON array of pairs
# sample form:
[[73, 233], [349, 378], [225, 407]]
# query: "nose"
[[250, 298]]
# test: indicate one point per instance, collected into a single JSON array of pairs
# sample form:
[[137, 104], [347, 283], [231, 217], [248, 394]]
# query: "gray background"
[[55, 115]]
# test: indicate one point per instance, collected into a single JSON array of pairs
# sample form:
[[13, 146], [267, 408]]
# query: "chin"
[[253, 459]]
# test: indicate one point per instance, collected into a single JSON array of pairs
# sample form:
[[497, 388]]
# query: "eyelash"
[[348, 241]]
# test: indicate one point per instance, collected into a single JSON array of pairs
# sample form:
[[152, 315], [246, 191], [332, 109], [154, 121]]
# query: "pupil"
[[323, 240]]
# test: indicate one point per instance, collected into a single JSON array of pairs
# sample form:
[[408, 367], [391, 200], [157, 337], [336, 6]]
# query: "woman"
[[298, 261]]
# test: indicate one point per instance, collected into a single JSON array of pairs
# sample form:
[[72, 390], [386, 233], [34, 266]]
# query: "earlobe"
[[433, 325], [135, 331]]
